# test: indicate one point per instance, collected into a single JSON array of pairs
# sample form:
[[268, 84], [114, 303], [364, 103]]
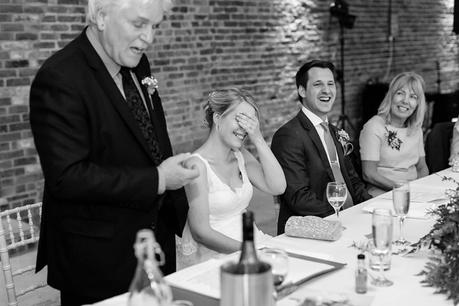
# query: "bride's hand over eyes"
[[250, 124]]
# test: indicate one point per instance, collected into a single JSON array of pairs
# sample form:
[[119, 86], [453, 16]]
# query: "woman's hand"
[[250, 125]]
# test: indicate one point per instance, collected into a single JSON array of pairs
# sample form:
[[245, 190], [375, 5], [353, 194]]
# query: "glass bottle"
[[148, 286], [361, 275], [248, 261], [249, 281]]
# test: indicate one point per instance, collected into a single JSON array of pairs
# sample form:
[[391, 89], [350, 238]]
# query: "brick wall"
[[30, 31], [206, 44]]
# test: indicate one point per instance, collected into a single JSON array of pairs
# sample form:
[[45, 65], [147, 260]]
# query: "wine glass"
[[278, 259], [382, 227], [336, 196], [401, 200]]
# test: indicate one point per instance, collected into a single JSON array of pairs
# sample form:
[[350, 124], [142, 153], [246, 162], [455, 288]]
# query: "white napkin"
[[418, 210], [421, 194]]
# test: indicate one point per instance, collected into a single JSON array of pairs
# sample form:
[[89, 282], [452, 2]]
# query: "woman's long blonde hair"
[[416, 83]]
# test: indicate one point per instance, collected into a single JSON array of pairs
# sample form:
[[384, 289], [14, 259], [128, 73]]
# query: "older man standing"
[[107, 160], [309, 150]]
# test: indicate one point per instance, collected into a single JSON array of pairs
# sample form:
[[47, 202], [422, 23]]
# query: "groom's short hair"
[[302, 74]]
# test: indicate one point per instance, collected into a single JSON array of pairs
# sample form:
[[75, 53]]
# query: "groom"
[[106, 156], [310, 151]]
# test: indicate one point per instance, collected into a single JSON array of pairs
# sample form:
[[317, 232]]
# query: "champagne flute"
[[336, 196], [382, 227], [278, 259], [401, 201]]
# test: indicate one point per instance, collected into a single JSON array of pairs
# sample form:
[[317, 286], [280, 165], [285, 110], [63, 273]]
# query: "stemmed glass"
[[382, 226], [401, 200], [278, 259], [336, 196]]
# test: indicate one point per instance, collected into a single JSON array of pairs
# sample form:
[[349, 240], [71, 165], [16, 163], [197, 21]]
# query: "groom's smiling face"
[[127, 29], [320, 92]]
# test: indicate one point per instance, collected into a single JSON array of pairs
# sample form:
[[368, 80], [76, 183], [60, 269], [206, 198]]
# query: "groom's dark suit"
[[100, 179], [299, 150]]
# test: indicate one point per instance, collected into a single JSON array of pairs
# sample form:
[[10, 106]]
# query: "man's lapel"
[[141, 74], [312, 134], [156, 112], [110, 89]]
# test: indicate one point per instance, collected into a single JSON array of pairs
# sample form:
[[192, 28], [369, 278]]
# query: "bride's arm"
[[266, 174], [197, 193]]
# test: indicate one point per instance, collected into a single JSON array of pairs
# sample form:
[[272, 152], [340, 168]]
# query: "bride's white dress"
[[225, 215]]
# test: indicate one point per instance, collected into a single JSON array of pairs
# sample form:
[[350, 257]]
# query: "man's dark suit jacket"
[[100, 179], [299, 150]]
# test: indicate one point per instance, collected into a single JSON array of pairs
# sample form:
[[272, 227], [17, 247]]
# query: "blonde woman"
[[391, 143], [222, 192]]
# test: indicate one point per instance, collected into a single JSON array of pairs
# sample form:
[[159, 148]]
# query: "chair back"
[[438, 146], [18, 231]]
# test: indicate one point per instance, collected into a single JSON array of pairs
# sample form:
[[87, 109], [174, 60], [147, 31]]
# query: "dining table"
[[407, 289]]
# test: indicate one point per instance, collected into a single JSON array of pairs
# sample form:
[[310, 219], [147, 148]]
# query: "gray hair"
[[95, 6]]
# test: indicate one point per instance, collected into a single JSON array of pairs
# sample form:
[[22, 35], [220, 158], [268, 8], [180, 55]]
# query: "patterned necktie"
[[137, 108], [334, 164]]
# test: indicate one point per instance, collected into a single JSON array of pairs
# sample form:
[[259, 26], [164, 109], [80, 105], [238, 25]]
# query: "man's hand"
[[175, 173]]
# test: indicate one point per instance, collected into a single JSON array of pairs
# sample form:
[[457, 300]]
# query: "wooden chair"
[[18, 231]]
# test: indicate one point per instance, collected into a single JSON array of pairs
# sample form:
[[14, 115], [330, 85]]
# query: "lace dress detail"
[[225, 209]]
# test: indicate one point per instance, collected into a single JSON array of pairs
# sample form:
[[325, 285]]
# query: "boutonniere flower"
[[151, 83], [392, 139], [345, 141]]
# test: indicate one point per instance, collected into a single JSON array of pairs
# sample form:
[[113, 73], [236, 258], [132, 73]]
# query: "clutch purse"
[[313, 227]]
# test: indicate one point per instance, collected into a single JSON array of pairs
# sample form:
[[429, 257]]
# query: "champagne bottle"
[[248, 261], [148, 286], [248, 282]]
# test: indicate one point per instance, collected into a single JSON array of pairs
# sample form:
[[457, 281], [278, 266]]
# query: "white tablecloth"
[[407, 289]]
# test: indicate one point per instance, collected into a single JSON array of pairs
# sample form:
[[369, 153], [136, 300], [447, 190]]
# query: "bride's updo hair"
[[220, 101]]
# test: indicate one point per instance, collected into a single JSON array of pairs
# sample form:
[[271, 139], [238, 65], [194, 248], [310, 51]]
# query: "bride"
[[222, 192]]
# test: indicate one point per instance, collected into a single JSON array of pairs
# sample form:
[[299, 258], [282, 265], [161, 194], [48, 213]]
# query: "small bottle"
[[361, 275], [148, 286]]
